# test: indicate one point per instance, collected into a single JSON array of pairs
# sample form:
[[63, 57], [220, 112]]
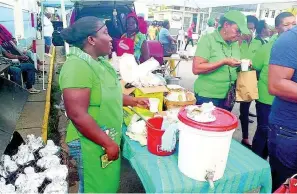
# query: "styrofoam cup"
[[245, 63], [154, 104]]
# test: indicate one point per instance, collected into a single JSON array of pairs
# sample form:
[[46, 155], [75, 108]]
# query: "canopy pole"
[[258, 10], [63, 13], [209, 13], [43, 49], [184, 13]]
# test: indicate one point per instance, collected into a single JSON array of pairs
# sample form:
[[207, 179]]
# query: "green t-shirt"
[[248, 51], [213, 48], [76, 73], [261, 64]]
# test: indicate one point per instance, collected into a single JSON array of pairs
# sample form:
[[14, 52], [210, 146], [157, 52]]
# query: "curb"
[[48, 98]]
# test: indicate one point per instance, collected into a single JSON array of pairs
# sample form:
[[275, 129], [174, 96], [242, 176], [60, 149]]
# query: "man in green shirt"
[[283, 22]]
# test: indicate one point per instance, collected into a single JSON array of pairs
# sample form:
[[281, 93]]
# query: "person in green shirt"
[[217, 59], [262, 32], [248, 48], [283, 22], [94, 102]]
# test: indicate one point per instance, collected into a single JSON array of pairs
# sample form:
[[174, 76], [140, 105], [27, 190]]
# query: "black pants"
[[244, 118], [259, 145], [179, 42], [188, 41]]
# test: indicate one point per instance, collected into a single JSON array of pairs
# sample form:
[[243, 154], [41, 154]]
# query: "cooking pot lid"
[[225, 121]]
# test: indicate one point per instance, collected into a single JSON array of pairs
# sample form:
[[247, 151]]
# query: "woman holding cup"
[[248, 47], [217, 59]]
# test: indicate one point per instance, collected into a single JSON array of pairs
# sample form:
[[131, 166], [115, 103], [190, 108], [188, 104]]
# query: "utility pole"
[[63, 13], [184, 13]]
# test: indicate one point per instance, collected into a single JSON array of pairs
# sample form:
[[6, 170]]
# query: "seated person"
[[168, 42], [29, 53], [16, 71], [133, 33]]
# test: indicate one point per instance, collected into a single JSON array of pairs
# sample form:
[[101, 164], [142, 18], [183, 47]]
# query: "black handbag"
[[231, 95], [169, 49]]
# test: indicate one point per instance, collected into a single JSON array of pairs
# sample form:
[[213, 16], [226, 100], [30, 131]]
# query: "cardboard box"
[[152, 92], [141, 91]]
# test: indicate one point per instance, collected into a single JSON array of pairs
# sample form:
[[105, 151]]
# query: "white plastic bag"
[[128, 67]]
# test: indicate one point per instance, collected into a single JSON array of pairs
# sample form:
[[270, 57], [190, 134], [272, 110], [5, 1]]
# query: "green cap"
[[239, 19], [211, 22]]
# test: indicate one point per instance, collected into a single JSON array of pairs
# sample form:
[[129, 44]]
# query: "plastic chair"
[[152, 48]]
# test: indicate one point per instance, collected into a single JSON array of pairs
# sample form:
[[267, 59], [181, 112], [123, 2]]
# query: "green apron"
[[97, 179]]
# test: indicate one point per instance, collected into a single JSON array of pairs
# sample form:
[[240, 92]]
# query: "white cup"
[[245, 63], [154, 104]]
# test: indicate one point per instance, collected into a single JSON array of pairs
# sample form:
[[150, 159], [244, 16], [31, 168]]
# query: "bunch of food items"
[[35, 168]]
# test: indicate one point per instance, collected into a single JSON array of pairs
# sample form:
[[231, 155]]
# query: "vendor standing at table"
[[217, 58], [94, 104]]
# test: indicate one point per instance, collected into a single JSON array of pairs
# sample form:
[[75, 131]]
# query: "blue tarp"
[[57, 3]]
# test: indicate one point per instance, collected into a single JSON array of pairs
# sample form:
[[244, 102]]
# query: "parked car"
[[114, 13]]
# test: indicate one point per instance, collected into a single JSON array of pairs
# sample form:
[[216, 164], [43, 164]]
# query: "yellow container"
[[160, 95], [144, 112]]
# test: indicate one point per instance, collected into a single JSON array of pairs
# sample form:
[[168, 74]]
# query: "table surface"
[[244, 172], [3, 67]]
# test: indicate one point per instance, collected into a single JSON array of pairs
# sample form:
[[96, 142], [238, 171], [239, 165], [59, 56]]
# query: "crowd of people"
[[274, 57], [91, 88]]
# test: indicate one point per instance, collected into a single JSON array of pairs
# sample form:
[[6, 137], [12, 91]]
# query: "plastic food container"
[[204, 147]]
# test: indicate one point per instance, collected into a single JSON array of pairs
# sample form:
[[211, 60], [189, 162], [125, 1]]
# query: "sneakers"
[[33, 91]]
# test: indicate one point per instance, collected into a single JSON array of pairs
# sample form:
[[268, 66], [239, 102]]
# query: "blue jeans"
[[48, 40], [75, 153], [282, 147], [216, 101], [260, 146], [16, 72]]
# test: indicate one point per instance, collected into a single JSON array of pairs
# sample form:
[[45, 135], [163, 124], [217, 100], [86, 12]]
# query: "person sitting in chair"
[[16, 70], [29, 53]]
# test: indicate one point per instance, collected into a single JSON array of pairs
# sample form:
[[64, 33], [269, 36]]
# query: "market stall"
[[178, 147], [245, 172]]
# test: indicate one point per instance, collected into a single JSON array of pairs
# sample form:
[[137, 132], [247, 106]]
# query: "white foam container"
[[202, 151]]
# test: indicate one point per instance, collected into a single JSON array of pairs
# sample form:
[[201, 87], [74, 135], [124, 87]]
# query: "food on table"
[[29, 182], [34, 143], [48, 162], [59, 172], [49, 149], [57, 186], [6, 188], [24, 155]]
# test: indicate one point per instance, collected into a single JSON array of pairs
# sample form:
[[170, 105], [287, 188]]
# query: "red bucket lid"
[[225, 121]]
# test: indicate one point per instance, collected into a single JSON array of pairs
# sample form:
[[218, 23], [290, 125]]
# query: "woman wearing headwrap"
[[94, 104], [133, 33]]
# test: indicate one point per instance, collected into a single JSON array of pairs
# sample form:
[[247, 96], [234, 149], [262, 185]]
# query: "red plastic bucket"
[[154, 137]]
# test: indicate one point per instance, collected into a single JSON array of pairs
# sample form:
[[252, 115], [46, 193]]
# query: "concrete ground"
[[31, 119]]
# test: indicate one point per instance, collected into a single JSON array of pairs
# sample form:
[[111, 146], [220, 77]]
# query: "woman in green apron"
[[93, 100]]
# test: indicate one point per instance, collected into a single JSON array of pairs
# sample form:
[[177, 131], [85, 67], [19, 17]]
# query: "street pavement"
[[129, 180]]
